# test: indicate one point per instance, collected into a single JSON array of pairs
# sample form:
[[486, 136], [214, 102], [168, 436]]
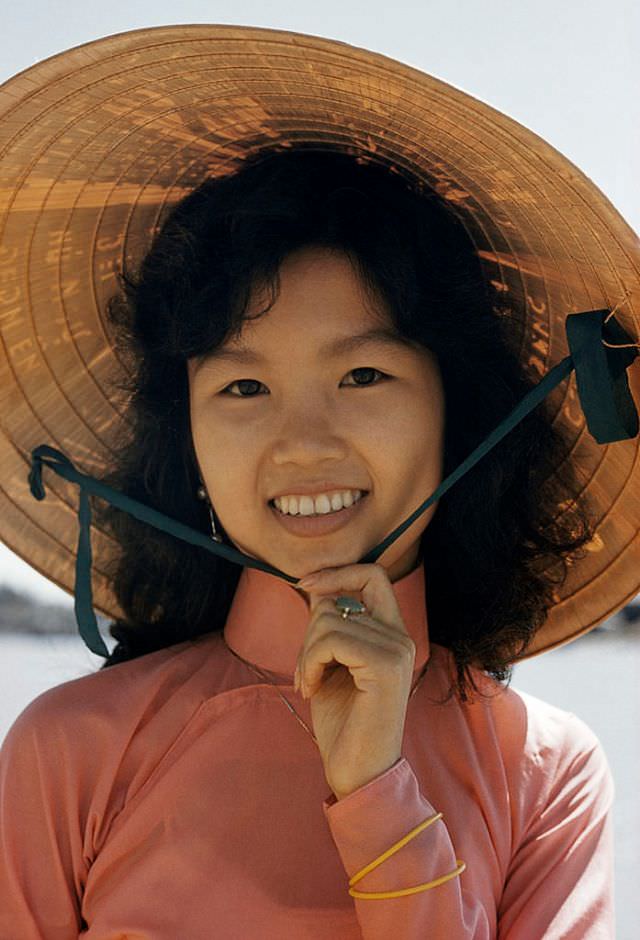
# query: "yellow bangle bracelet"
[[373, 895], [395, 848]]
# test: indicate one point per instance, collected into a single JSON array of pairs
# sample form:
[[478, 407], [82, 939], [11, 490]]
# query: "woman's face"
[[298, 416]]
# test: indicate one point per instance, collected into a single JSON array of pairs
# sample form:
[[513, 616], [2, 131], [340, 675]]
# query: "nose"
[[310, 434]]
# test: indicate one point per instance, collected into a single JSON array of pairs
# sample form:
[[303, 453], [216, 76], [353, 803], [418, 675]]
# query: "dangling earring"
[[202, 494]]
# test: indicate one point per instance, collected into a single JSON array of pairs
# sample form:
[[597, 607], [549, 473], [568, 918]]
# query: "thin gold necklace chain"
[[262, 675]]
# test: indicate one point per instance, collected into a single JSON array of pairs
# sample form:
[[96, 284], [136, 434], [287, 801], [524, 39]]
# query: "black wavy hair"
[[501, 538]]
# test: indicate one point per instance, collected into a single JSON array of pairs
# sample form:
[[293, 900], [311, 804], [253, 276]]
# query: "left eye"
[[366, 369]]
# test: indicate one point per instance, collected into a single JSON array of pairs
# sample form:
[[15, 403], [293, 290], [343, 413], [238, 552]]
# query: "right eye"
[[225, 391]]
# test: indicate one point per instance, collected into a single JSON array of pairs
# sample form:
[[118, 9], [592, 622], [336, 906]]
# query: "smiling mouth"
[[317, 515]]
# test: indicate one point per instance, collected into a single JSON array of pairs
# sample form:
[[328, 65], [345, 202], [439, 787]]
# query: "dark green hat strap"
[[605, 399], [601, 376]]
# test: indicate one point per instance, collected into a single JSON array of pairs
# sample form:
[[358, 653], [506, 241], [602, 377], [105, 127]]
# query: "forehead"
[[381, 337], [321, 304]]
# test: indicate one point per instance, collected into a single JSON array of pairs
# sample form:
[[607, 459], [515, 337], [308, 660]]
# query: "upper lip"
[[314, 489]]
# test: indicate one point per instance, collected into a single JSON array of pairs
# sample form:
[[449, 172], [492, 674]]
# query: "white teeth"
[[336, 501], [319, 505]]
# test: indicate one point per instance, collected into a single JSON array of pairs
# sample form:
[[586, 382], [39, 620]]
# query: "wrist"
[[341, 794]]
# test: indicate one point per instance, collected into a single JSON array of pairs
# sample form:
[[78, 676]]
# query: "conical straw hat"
[[99, 142]]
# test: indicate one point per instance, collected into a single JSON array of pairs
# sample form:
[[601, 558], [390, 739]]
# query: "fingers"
[[326, 617], [323, 623], [362, 644], [368, 583], [371, 659]]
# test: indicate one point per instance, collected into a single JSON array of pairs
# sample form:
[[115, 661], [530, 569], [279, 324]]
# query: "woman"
[[170, 793]]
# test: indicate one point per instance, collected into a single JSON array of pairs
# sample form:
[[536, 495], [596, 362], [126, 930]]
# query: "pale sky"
[[569, 71]]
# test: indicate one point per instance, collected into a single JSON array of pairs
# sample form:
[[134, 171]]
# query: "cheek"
[[414, 429], [228, 466], [423, 448], [212, 432], [226, 454]]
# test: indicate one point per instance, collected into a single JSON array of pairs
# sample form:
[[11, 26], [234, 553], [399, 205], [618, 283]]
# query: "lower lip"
[[318, 525]]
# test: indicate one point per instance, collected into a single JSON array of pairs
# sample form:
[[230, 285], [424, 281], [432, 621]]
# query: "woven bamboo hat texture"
[[98, 142]]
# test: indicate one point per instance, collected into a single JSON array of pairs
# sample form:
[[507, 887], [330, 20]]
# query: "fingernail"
[[307, 580]]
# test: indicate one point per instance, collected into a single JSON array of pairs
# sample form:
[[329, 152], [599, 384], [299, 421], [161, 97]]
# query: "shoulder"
[[527, 727], [550, 754], [87, 746], [548, 733], [539, 747], [95, 705]]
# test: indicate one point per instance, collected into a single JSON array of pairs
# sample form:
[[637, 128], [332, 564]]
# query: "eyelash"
[[225, 391]]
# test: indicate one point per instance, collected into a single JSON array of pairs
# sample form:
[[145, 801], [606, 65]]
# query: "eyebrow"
[[379, 336]]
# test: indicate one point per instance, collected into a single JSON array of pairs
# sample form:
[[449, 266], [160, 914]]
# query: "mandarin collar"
[[268, 619]]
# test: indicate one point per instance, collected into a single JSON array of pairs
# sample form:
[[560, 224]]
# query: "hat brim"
[[100, 141]]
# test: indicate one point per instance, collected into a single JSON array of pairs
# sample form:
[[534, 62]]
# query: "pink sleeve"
[[40, 833], [559, 885], [368, 822], [561, 874]]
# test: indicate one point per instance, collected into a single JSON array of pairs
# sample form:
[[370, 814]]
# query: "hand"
[[357, 673]]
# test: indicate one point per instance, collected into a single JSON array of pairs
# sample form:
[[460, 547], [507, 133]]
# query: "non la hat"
[[99, 142]]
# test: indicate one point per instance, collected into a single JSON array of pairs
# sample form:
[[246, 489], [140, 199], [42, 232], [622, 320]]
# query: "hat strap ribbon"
[[605, 399]]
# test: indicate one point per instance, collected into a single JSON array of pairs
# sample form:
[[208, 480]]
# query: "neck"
[[268, 619]]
